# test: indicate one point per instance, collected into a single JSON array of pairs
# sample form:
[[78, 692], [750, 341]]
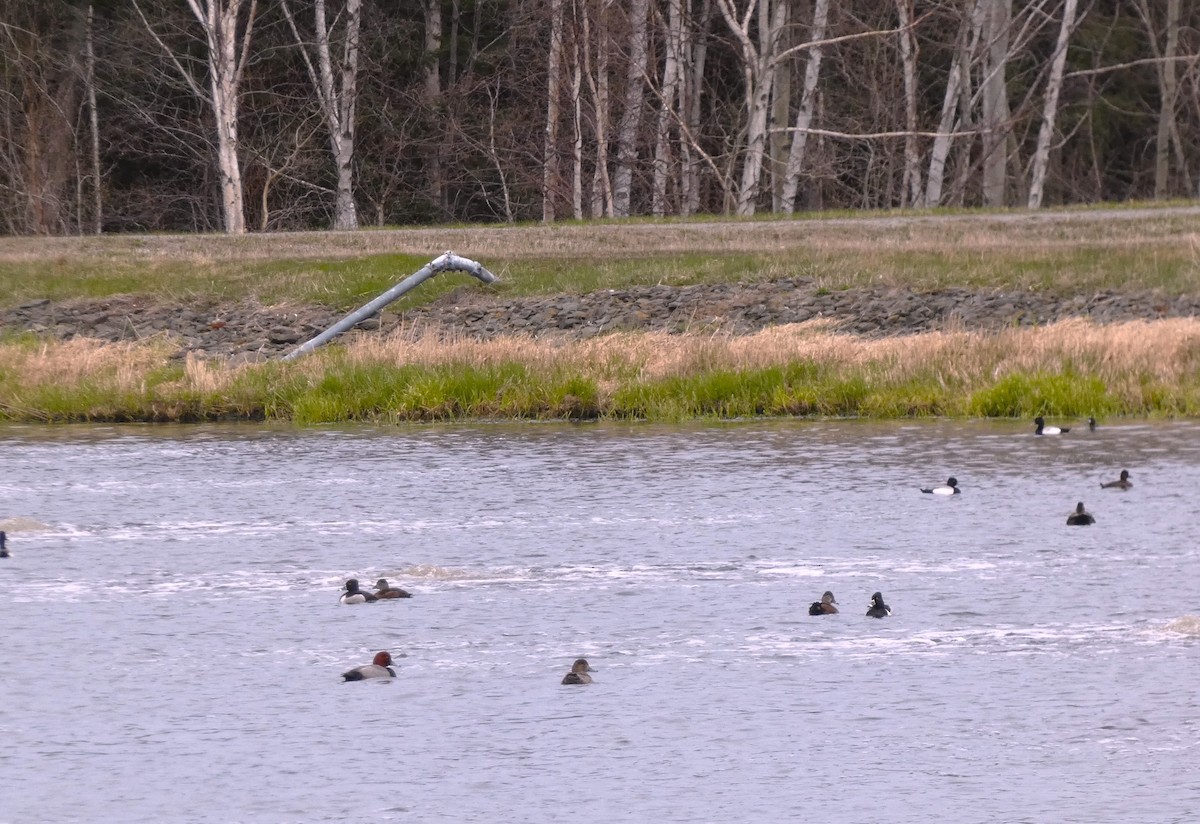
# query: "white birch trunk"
[[912, 191], [433, 97], [635, 101], [94, 121], [804, 115], [668, 94], [219, 20], [995, 103], [1041, 155], [694, 47], [337, 93], [577, 123], [759, 61], [602, 193], [958, 79], [554, 90]]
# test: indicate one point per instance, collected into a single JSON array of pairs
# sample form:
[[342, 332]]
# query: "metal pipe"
[[448, 260]]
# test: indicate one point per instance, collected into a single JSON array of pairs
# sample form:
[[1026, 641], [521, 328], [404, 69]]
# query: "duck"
[[1091, 424], [951, 488], [877, 608], [354, 595], [826, 606], [1122, 483], [1042, 429], [3, 545], [384, 590], [1080, 517], [579, 673], [380, 667]]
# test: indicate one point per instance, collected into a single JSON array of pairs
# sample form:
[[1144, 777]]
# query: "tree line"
[[263, 115]]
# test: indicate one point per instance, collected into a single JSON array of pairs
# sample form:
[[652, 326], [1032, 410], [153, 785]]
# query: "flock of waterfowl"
[[1079, 517], [381, 665]]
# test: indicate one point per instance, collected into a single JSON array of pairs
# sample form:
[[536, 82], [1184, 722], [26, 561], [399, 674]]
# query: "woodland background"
[[268, 115]]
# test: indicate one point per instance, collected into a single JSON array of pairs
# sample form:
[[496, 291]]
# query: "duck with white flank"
[[877, 608], [579, 673], [354, 595], [380, 667], [1080, 517], [1121, 483], [951, 488], [1042, 429]]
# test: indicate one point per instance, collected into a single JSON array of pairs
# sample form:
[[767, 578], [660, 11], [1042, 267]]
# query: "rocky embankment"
[[248, 331]]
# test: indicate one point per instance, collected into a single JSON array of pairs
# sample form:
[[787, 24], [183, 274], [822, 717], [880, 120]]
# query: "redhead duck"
[[826, 606], [877, 608], [1080, 517], [3, 545], [354, 595], [579, 673], [380, 667], [951, 488], [1042, 429], [384, 590], [1122, 483]]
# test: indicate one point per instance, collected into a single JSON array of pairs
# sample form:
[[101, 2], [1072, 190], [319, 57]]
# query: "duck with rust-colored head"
[[1121, 483], [354, 595], [380, 667], [826, 606], [1080, 517], [579, 673], [385, 591]]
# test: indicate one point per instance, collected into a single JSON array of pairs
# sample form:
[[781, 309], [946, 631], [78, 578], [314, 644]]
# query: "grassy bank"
[[1061, 252], [1070, 369]]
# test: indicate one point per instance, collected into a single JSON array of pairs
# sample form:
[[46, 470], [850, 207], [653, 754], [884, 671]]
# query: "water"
[[172, 641]]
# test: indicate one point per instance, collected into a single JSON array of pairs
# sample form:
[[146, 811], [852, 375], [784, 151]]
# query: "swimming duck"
[[380, 667], [951, 488], [1042, 429], [579, 673], [354, 595], [384, 590], [3, 545], [826, 606], [877, 608], [1080, 517], [1122, 483]]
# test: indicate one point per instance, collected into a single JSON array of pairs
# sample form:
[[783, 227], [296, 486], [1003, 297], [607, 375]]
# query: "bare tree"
[[1041, 156], [227, 51], [958, 85], [550, 171], [758, 30], [337, 93], [996, 113], [804, 114], [911, 185], [1168, 86], [635, 102]]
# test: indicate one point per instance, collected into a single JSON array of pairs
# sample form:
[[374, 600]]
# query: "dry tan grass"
[[1124, 356], [1168, 350], [82, 360]]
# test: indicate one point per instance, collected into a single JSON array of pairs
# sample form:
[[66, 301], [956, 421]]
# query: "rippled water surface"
[[172, 641]]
